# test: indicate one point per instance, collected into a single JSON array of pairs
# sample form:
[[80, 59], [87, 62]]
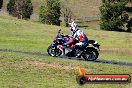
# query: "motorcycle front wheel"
[[53, 51]]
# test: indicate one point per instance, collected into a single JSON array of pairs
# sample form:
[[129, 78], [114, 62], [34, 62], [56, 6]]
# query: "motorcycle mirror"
[[59, 31]]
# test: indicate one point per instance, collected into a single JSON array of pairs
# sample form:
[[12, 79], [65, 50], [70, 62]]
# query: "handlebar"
[[61, 34]]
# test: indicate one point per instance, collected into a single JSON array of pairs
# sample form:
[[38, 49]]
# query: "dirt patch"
[[41, 64]]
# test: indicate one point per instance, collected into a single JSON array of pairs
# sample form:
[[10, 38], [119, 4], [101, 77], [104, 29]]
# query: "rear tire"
[[90, 54]]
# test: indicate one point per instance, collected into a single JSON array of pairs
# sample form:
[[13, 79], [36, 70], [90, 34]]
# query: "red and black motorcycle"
[[57, 48]]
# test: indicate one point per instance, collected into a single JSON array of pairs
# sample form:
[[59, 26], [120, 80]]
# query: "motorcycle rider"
[[79, 38]]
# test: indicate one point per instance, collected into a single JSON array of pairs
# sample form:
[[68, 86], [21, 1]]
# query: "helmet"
[[73, 27]]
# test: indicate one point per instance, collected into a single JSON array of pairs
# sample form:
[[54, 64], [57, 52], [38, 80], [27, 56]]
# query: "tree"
[[129, 25], [10, 7], [66, 12], [22, 9], [1, 3], [113, 15], [129, 1], [116, 0], [50, 12]]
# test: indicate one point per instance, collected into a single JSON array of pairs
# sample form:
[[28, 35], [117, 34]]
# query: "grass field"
[[31, 71], [34, 36]]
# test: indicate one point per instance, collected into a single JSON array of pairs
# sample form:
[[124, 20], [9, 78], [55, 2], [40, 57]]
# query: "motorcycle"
[[57, 48]]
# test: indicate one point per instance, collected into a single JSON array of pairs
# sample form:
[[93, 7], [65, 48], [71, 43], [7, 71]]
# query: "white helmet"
[[73, 26]]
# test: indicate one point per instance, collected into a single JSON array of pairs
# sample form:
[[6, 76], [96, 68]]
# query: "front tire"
[[53, 51], [90, 54]]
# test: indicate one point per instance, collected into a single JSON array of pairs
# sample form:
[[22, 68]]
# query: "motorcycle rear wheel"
[[90, 54]]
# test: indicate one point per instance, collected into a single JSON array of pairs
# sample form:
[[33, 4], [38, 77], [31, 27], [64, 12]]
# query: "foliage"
[[10, 7], [116, 0], [129, 25], [22, 9], [113, 15], [50, 12], [1, 3]]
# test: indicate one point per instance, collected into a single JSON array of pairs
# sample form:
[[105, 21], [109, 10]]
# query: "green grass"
[[34, 36], [31, 71]]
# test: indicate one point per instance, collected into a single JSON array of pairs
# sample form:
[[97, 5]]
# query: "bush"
[[22, 9], [129, 25], [1, 3], [10, 7], [50, 12], [113, 15]]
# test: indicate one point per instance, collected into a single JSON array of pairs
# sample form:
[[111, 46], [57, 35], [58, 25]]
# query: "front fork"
[[60, 47]]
